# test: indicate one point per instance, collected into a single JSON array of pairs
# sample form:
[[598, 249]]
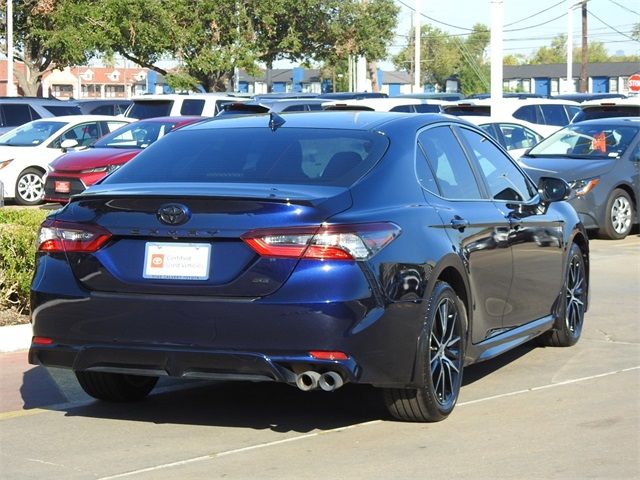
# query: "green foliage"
[[46, 37], [444, 55], [557, 53], [18, 230]]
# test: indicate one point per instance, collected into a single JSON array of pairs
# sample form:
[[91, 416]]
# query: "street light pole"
[[569, 85], [11, 91]]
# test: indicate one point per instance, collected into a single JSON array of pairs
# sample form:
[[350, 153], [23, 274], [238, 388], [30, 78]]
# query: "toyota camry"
[[315, 250]]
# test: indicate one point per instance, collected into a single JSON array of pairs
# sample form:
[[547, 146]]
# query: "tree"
[[45, 38], [473, 69], [555, 53], [440, 56]]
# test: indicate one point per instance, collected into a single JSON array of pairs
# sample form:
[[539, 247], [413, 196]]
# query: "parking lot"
[[532, 413]]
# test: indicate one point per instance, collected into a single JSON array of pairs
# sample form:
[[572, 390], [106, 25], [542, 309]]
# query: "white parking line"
[[349, 427]]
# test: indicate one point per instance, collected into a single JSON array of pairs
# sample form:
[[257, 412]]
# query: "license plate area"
[[177, 261], [62, 186]]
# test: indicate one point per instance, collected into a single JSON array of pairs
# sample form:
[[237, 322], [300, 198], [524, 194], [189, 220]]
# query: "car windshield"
[[135, 135], [31, 134], [587, 141], [257, 155]]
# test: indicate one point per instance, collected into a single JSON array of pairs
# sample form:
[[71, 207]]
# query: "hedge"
[[18, 230]]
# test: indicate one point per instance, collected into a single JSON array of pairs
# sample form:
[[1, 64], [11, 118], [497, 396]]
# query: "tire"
[[574, 299], [29, 187], [618, 217], [116, 387], [441, 367]]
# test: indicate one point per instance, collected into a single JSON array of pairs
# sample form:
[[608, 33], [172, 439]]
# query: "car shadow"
[[258, 406], [478, 371]]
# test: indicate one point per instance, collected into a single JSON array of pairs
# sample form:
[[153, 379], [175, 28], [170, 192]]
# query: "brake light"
[[57, 236], [325, 242]]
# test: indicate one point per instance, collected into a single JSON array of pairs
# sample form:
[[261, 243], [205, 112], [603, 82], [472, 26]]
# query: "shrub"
[[18, 230]]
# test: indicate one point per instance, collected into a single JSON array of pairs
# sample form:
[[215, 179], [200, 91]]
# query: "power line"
[[435, 20], [612, 28], [535, 14], [625, 8], [534, 26]]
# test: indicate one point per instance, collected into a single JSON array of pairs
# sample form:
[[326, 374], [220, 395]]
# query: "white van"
[[171, 105]]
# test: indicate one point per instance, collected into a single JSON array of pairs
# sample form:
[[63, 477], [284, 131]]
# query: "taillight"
[[325, 242], [57, 236]]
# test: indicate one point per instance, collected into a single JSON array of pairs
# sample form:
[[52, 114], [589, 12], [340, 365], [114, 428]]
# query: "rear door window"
[[449, 164], [16, 114], [554, 115], [191, 107], [528, 113], [518, 137], [150, 108]]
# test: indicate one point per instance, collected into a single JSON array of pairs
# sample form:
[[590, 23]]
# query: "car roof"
[[611, 102], [190, 96], [382, 104], [344, 120], [37, 100], [611, 121], [85, 118]]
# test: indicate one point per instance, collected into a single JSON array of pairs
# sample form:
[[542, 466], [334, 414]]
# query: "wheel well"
[[629, 191], [581, 241], [35, 167], [453, 278]]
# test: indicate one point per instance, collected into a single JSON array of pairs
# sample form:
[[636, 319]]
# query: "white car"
[[516, 136], [607, 108], [550, 115], [27, 151], [174, 104], [396, 104]]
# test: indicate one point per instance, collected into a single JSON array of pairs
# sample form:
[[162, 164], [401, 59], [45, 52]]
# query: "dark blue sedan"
[[313, 250]]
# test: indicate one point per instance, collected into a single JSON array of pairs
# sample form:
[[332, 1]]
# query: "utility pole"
[[585, 50], [496, 50], [11, 91], [416, 60]]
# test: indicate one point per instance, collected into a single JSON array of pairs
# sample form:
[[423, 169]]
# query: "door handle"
[[459, 223]]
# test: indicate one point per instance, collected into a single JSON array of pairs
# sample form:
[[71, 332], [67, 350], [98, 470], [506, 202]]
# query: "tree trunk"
[[30, 80], [373, 75]]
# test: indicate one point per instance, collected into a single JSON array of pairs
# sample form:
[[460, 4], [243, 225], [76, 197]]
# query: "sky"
[[608, 22]]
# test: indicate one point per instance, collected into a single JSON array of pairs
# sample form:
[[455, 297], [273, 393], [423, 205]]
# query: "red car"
[[73, 172]]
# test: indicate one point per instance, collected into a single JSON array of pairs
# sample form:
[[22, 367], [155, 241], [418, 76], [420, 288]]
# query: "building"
[[610, 77]]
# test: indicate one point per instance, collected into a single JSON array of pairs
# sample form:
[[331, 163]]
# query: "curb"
[[15, 337]]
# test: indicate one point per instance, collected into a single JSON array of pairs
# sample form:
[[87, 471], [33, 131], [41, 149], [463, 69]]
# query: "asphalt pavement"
[[565, 413]]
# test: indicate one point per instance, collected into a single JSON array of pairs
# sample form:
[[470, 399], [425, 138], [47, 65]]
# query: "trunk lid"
[[218, 216]]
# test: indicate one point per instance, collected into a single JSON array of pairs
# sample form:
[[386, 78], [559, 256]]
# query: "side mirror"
[[553, 189], [68, 143]]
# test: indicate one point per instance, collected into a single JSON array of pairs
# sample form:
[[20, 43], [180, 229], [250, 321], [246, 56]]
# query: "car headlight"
[[582, 187], [4, 163], [107, 169]]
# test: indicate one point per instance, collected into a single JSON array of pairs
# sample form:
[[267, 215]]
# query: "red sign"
[[634, 82]]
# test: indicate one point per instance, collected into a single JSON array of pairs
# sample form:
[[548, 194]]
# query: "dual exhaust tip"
[[310, 380]]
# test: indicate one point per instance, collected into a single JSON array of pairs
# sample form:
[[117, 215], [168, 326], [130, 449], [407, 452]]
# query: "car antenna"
[[275, 121]]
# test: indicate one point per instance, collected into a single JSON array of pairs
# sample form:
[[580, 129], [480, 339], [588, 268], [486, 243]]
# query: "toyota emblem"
[[173, 214]]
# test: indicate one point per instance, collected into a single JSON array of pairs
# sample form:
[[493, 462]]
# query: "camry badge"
[[173, 214]]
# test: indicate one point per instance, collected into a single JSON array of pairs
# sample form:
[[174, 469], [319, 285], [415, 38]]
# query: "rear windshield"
[[60, 110], [150, 109], [257, 155], [607, 112]]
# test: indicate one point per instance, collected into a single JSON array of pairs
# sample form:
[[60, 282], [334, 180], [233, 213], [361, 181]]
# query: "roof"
[[85, 118], [559, 70], [396, 77]]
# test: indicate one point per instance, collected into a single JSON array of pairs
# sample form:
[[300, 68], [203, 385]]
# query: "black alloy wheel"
[[443, 362], [574, 303]]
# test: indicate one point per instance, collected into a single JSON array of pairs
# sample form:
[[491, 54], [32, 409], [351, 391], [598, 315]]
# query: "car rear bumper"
[[256, 339]]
